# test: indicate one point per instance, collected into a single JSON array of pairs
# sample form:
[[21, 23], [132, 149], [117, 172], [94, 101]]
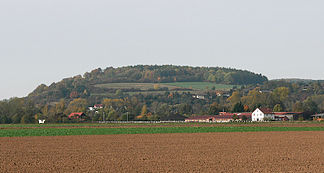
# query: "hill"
[[168, 77]]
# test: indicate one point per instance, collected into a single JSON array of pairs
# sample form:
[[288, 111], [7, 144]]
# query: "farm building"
[[77, 115], [207, 118], [318, 117], [221, 118], [286, 116], [261, 114]]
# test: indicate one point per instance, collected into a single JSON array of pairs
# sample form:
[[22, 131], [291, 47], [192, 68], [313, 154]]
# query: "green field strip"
[[142, 130]]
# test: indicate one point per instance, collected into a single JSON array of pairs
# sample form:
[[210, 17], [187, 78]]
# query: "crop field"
[[143, 130], [169, 147]]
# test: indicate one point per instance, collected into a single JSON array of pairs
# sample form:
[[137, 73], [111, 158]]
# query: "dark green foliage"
[[238, 107]]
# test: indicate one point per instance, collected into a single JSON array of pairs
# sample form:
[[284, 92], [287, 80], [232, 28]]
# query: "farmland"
[[109, 129], [163, 147], [177, 152]]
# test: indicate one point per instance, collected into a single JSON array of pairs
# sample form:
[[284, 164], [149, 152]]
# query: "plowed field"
[[196, 152]]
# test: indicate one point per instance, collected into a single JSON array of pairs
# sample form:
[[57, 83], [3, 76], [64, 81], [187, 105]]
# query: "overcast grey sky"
[[44, 41]]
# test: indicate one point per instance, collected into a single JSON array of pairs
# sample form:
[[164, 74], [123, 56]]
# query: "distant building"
[[318, 117], [98, 106], [41, 121], [199, 97], [286, 116], [77, 115], [223, 117], [262, 114]]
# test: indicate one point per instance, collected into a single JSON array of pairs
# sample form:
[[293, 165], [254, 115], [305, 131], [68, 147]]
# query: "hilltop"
[[99, 83]]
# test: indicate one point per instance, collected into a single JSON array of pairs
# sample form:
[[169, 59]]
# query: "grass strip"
[[146, 130]]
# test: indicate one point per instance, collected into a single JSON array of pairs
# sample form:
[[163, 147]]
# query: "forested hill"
[[82, 86], [170, 73]]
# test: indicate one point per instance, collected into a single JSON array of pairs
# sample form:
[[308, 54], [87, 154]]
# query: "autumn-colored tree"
[[234, 98], [156, 86], [144, 110], [77, 105], [281, 93], [277, 108]]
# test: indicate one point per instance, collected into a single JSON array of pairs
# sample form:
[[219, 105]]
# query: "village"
[[258, 115]]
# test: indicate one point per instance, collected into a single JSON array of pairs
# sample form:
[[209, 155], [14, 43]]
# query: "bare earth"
[[198, 152]]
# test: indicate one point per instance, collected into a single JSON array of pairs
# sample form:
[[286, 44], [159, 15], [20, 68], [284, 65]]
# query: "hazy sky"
[[44, 41]]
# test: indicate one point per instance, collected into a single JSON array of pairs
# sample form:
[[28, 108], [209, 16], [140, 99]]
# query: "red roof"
[[286, 113], [76, 114], [98, 105], [266, 110], [200, 117]]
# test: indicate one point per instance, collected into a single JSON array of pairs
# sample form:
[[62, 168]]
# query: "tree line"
[[277, 95]]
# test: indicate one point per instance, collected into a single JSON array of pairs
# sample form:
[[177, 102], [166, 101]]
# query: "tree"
[[277, 108], [281, 93], [235, 98], [144, 110], [238, 107], [214, 109], [77, 105], [235, 117], [244, 118], [310, 106]]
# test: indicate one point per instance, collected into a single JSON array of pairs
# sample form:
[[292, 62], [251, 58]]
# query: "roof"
[[318, 115], [201, 117], [286, 113], [76, 114], [266, 110]]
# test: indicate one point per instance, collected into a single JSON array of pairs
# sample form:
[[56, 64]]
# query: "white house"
[[261, 113], [41, 121]]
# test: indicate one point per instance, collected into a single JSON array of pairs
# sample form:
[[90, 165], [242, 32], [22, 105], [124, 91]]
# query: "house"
[[41, 121], [98, 106], [318, 117], [77, 115], [263, 114], [199, 97]]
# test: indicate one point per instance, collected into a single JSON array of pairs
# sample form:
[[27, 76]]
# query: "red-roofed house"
[[98, 106], [77, 115], [262, 114]]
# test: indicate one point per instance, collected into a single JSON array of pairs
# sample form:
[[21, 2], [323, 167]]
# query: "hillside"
[[89, 84]]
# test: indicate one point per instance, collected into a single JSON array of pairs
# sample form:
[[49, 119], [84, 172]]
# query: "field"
[[200, 85], [171, 147], [170, 86]]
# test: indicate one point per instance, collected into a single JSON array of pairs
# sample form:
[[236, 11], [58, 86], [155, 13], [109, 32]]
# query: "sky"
[[44, 41]]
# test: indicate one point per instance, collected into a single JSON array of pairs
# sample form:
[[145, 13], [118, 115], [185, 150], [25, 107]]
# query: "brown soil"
[[208, 152]]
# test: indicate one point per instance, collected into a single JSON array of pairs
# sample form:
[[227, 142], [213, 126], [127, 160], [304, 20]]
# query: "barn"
[[78, 115]]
